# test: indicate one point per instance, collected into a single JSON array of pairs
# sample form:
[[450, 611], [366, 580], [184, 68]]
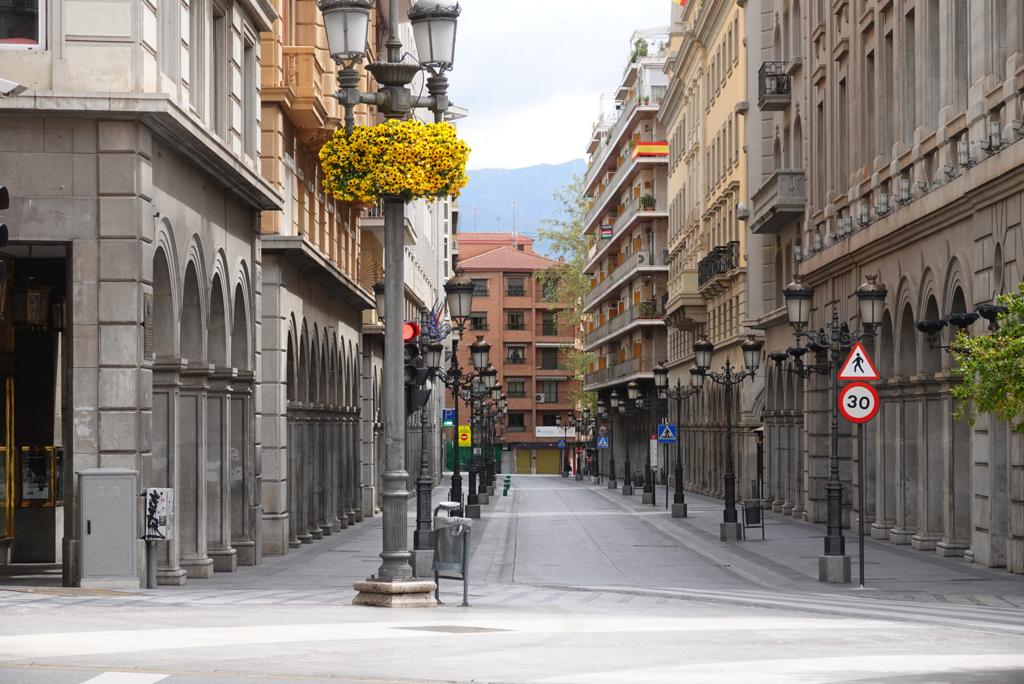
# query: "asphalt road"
[[572, 583]]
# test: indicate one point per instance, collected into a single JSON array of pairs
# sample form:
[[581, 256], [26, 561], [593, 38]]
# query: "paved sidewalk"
[[788, 557]]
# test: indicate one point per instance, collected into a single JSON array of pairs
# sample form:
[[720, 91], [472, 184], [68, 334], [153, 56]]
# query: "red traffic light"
[[410, 331]]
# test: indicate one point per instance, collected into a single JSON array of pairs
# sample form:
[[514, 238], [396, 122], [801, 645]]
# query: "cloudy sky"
[[531, 73]]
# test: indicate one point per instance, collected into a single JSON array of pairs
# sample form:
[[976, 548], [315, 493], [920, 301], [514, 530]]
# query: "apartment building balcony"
[[371, 219], [646, 262], [686, 309], [649, 313], [304, 76], [639, 209], [645, 155], [774, 87], [619, 372], [715, 271], [780, 201]]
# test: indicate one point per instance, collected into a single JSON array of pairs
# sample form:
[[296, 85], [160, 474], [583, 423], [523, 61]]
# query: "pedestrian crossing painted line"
[[127, 678]]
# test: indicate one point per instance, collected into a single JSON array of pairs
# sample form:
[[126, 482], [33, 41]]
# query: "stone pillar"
[[190, 494], [906, 467], [956, 473], [163, 470], [886, 430], [243, 482], [274, 422], [217, 475], [932, 446], [991, 505], [817, 419]]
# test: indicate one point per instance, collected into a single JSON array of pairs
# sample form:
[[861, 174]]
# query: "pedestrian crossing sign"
[[561, 444], [667, 434], [602, 442], [858, 366]]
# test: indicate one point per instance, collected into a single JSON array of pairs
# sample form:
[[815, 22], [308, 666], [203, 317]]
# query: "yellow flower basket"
[[408, 159]]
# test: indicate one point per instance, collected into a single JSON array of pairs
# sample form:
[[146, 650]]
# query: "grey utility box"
[[107, 528]]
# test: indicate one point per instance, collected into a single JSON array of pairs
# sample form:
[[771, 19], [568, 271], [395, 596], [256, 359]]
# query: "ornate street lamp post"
[[633, 404], [459, 295], [679, 393], [828, 344], [728, 377], [613, 405], [347, 23]]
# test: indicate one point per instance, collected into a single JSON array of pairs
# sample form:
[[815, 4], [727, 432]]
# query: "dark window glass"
[[19, 22]]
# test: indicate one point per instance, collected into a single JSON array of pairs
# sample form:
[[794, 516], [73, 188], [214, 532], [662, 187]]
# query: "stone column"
[[243, 482], [163, 470], [190, 494], [217, 476], [991, 505], [956, 490], [817, 420], [906, 468], [932, 445]]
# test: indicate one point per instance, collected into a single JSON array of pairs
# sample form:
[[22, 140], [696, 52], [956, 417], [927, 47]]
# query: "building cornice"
[[168, 121], [308, 259]]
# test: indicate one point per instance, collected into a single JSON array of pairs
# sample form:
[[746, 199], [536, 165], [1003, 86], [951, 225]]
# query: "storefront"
[[33, 364]]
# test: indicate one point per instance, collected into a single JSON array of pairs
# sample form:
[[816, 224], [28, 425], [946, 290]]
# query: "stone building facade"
[[894, 129], [705, 114], [205, 312]]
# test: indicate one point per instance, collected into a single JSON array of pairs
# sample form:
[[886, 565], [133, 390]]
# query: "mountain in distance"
[[486, 203]]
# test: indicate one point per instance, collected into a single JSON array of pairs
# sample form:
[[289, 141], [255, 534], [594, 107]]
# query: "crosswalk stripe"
[[126, 678]]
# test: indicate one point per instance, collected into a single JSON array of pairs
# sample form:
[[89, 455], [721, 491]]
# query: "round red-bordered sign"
[[858, 402]]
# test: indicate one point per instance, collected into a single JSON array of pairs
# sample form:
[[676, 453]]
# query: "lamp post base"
[[730, 531], [648, 498], [579, 477], [483, 498], [400, 594], [472, 511], [834, 569], [627, 490], [678, 510]]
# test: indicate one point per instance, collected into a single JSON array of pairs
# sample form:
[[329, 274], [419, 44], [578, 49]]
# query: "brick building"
[[527, 345]]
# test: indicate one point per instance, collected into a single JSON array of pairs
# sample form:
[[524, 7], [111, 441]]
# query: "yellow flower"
[[409, 159]]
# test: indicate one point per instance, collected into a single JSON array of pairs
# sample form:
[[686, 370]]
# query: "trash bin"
[[451, 553]]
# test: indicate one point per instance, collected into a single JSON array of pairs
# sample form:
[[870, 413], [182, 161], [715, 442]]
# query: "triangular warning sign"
[[667, 432], [858, 366]]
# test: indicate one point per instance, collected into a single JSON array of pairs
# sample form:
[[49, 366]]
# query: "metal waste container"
[[451, 553]]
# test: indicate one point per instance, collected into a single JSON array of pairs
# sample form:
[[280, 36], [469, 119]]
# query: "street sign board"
[[858, 402], [561, 444], [448, 417], [465, 436], [667, 434], [602, 442], [858, 366]]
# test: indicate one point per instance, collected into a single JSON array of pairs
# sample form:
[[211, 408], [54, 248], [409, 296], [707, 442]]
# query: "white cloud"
[[531, 74]]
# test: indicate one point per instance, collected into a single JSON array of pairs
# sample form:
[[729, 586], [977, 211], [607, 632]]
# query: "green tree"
[[992, 367], [567, 283]]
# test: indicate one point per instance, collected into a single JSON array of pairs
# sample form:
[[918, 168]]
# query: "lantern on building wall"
[[32, 306]]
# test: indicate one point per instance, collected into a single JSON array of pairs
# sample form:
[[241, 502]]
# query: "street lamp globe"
[[433, 355], [558, 420], [661, 377], [489, 376], [459, 293], [496, 393], [602, 410], [696, 377], [434, 24], [798, 303], [613, 400], [633, 390], [752, 353], [347, 23], [871, 297], [586, 413], [480, 351], [702, 351]]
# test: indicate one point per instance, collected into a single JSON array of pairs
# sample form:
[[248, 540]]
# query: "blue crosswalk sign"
[[561, 444], [602, 442], [667, 434]]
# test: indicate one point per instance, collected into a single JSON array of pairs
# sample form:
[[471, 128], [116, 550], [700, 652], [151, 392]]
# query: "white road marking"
[[63, 644], [126, 678], [810, 669]]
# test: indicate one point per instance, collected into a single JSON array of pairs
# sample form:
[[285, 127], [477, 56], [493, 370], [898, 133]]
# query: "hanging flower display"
[[408, 159]]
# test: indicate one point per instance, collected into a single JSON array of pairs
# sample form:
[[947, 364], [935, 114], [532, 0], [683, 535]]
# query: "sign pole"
[[860, 502]]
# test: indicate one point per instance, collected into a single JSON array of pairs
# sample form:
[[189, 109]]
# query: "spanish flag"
[[651, 149], [681, 3]]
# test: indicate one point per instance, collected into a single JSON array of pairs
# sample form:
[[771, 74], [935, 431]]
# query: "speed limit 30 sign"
[[858, 402]]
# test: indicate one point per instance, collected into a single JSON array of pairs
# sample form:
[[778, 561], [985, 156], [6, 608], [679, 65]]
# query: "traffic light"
[[416, 371]]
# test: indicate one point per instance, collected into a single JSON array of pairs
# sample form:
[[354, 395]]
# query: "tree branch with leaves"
[[992, 367], [567, 282]]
